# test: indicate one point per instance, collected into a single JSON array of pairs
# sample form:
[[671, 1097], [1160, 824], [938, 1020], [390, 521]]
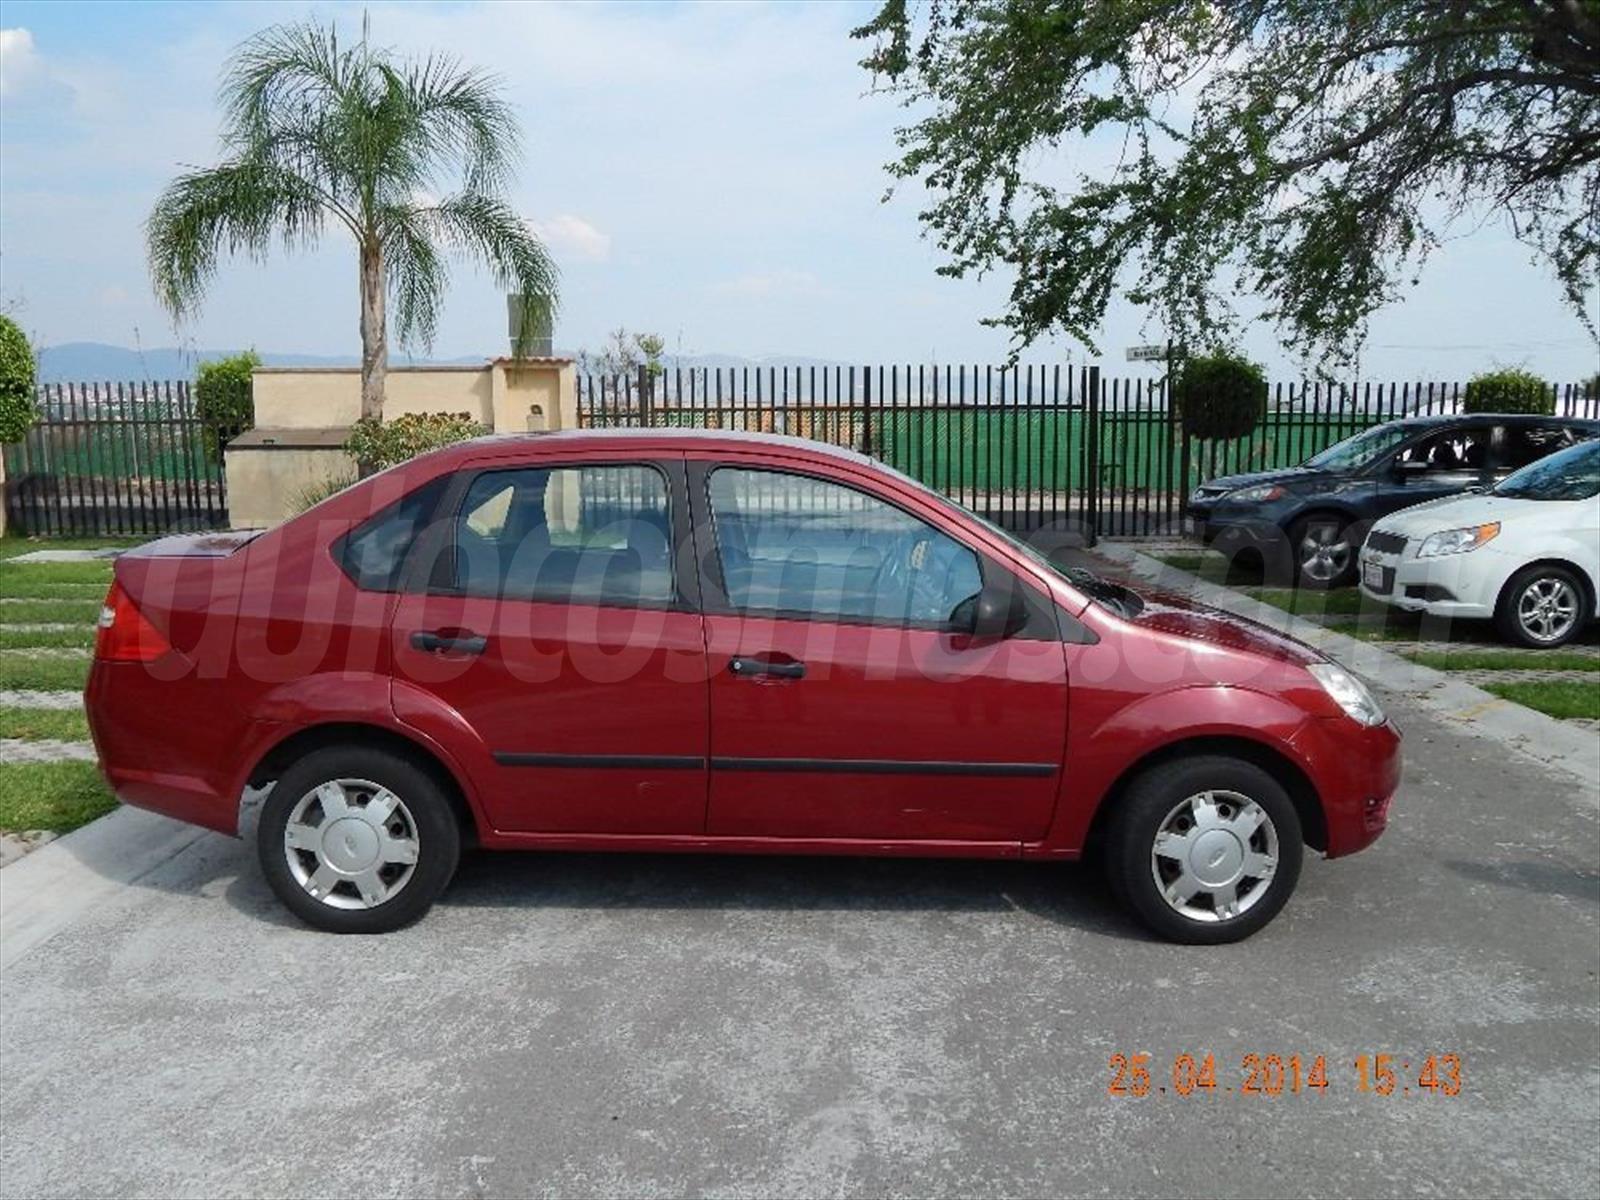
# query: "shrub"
[[223, 401], [377, 444], [18, 377], [315, 493], [1509, 391], [1221, 395]]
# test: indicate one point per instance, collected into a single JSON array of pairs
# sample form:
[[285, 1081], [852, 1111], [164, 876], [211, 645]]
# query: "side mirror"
[[992, 615]]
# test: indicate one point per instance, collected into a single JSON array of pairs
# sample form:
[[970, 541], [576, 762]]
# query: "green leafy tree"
[[1307, 154], [318, 134], [18, 378], [624, 353], [224, 401], [1509, 391]]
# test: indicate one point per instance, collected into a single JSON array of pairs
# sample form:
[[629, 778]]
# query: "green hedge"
[[1221, 396], [18, 409], [377, 444], [223, 400], [1509, 391]]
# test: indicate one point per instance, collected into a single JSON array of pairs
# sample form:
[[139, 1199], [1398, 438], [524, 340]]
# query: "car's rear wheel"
[[1325, 548], [355, 839], [1205, 850], [1543, 606]]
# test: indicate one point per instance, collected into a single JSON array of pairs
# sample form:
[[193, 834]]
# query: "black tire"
[[1145, 807], [1508, 613], [436, 835], [1334, 568]]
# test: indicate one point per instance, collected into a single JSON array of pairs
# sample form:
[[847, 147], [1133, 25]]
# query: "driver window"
[[1450, 450], [808, 547]]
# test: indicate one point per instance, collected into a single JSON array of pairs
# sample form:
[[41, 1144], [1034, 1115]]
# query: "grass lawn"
[[58, 796], [16, 579], [53, 674], [1308, 603], [1562, 699], [22, 639], [79, 608], [1503, 660], [44, 724]]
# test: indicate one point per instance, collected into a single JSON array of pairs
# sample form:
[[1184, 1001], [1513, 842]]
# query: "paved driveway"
[[650, 1025]]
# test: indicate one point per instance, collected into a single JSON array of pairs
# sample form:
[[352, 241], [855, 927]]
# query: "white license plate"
[[1372, 575]]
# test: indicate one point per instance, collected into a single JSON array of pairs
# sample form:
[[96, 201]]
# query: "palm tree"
[[316, 134]]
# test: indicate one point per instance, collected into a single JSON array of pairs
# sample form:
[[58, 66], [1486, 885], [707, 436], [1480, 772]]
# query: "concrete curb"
[[1524, 731], [52, 887]]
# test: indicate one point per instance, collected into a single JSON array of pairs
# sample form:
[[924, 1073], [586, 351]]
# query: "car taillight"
[[123, 633]]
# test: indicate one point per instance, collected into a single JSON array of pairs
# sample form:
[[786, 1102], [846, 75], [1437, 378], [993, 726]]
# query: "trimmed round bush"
[[1509, 391], [223, 400], [377, 444], [18, 379], [1221, 396]]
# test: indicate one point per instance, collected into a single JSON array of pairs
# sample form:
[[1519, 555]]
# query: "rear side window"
[[1526, 444], [597, 534], [374, 552]]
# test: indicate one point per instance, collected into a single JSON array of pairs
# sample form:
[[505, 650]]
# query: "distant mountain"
[[90, 362]]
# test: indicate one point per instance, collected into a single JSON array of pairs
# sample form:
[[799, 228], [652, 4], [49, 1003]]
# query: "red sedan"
[[659, 640]]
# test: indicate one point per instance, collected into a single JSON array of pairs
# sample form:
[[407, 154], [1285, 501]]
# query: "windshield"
[[1570, 474], [1122, 600], [1359, 450]]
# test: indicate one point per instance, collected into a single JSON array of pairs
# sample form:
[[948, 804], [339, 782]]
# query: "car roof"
[[633, 438], [1428, 421]]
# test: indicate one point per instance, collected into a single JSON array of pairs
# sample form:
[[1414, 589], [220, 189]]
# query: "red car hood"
[[1169, 612]]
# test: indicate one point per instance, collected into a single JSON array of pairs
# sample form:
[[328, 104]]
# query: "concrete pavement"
[[655, 1025]]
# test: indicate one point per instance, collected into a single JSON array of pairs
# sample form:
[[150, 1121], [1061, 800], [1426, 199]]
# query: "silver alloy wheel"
[[351, 843], [1324, 552], [1214, 855], [1547, 608]]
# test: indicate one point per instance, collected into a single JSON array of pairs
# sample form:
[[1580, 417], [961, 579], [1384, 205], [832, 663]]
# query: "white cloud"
[[19, 62], [573, 236]]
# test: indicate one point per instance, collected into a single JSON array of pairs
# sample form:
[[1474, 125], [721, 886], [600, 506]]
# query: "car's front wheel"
[[356, 839], [1206, 849], [1543, 606], [1325, 549]]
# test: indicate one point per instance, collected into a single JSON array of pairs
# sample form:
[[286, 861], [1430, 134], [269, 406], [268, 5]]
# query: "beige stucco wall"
[[265, 485], [531, 395]]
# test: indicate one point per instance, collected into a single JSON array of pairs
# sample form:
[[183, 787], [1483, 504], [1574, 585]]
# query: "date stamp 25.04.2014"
[[1137, 1075]]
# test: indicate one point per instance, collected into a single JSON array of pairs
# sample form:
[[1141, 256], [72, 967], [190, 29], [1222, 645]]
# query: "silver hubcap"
[[351, 843], [1324, 553], [1214, 856], [1547, 609]]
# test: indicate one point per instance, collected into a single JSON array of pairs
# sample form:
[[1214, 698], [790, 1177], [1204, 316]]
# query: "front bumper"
[[1452, 585], [1356, 771]]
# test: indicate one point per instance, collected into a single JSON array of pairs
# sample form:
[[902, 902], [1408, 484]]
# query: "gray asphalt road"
[[643, 1026]]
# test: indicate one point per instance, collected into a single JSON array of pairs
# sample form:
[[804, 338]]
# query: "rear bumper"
[[171, 749], [1356, 771]]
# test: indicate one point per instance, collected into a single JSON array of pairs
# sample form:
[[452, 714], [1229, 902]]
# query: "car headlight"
[[1348, 692], [1458, 541], [1255, 495]]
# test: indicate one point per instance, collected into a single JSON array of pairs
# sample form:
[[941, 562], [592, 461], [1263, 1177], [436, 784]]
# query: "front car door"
[[549, 628], [842, 707], [1443, 462]]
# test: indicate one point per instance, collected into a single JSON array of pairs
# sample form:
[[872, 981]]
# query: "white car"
[[1525, 554]]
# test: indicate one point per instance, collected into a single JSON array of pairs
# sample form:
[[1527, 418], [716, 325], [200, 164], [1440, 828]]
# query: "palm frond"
[[417, 275], [235, 207], [486, 229]]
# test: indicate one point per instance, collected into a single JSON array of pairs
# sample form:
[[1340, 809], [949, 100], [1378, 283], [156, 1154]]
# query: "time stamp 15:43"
[[1287, 1075]]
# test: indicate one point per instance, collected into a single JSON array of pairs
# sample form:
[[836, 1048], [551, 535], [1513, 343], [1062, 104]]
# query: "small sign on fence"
[[1147, 353]]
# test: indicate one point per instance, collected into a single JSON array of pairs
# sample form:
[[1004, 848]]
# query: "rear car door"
[[549, 620], [842, 707]]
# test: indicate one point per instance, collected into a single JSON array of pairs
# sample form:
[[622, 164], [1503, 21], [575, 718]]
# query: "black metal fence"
[[112, 458], [1025, 446]]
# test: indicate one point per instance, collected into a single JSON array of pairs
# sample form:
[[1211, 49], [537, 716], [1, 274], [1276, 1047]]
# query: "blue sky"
[[712, 172]]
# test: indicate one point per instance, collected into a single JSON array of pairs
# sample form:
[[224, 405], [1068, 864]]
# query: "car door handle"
[[751, 668], [436, 641]]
